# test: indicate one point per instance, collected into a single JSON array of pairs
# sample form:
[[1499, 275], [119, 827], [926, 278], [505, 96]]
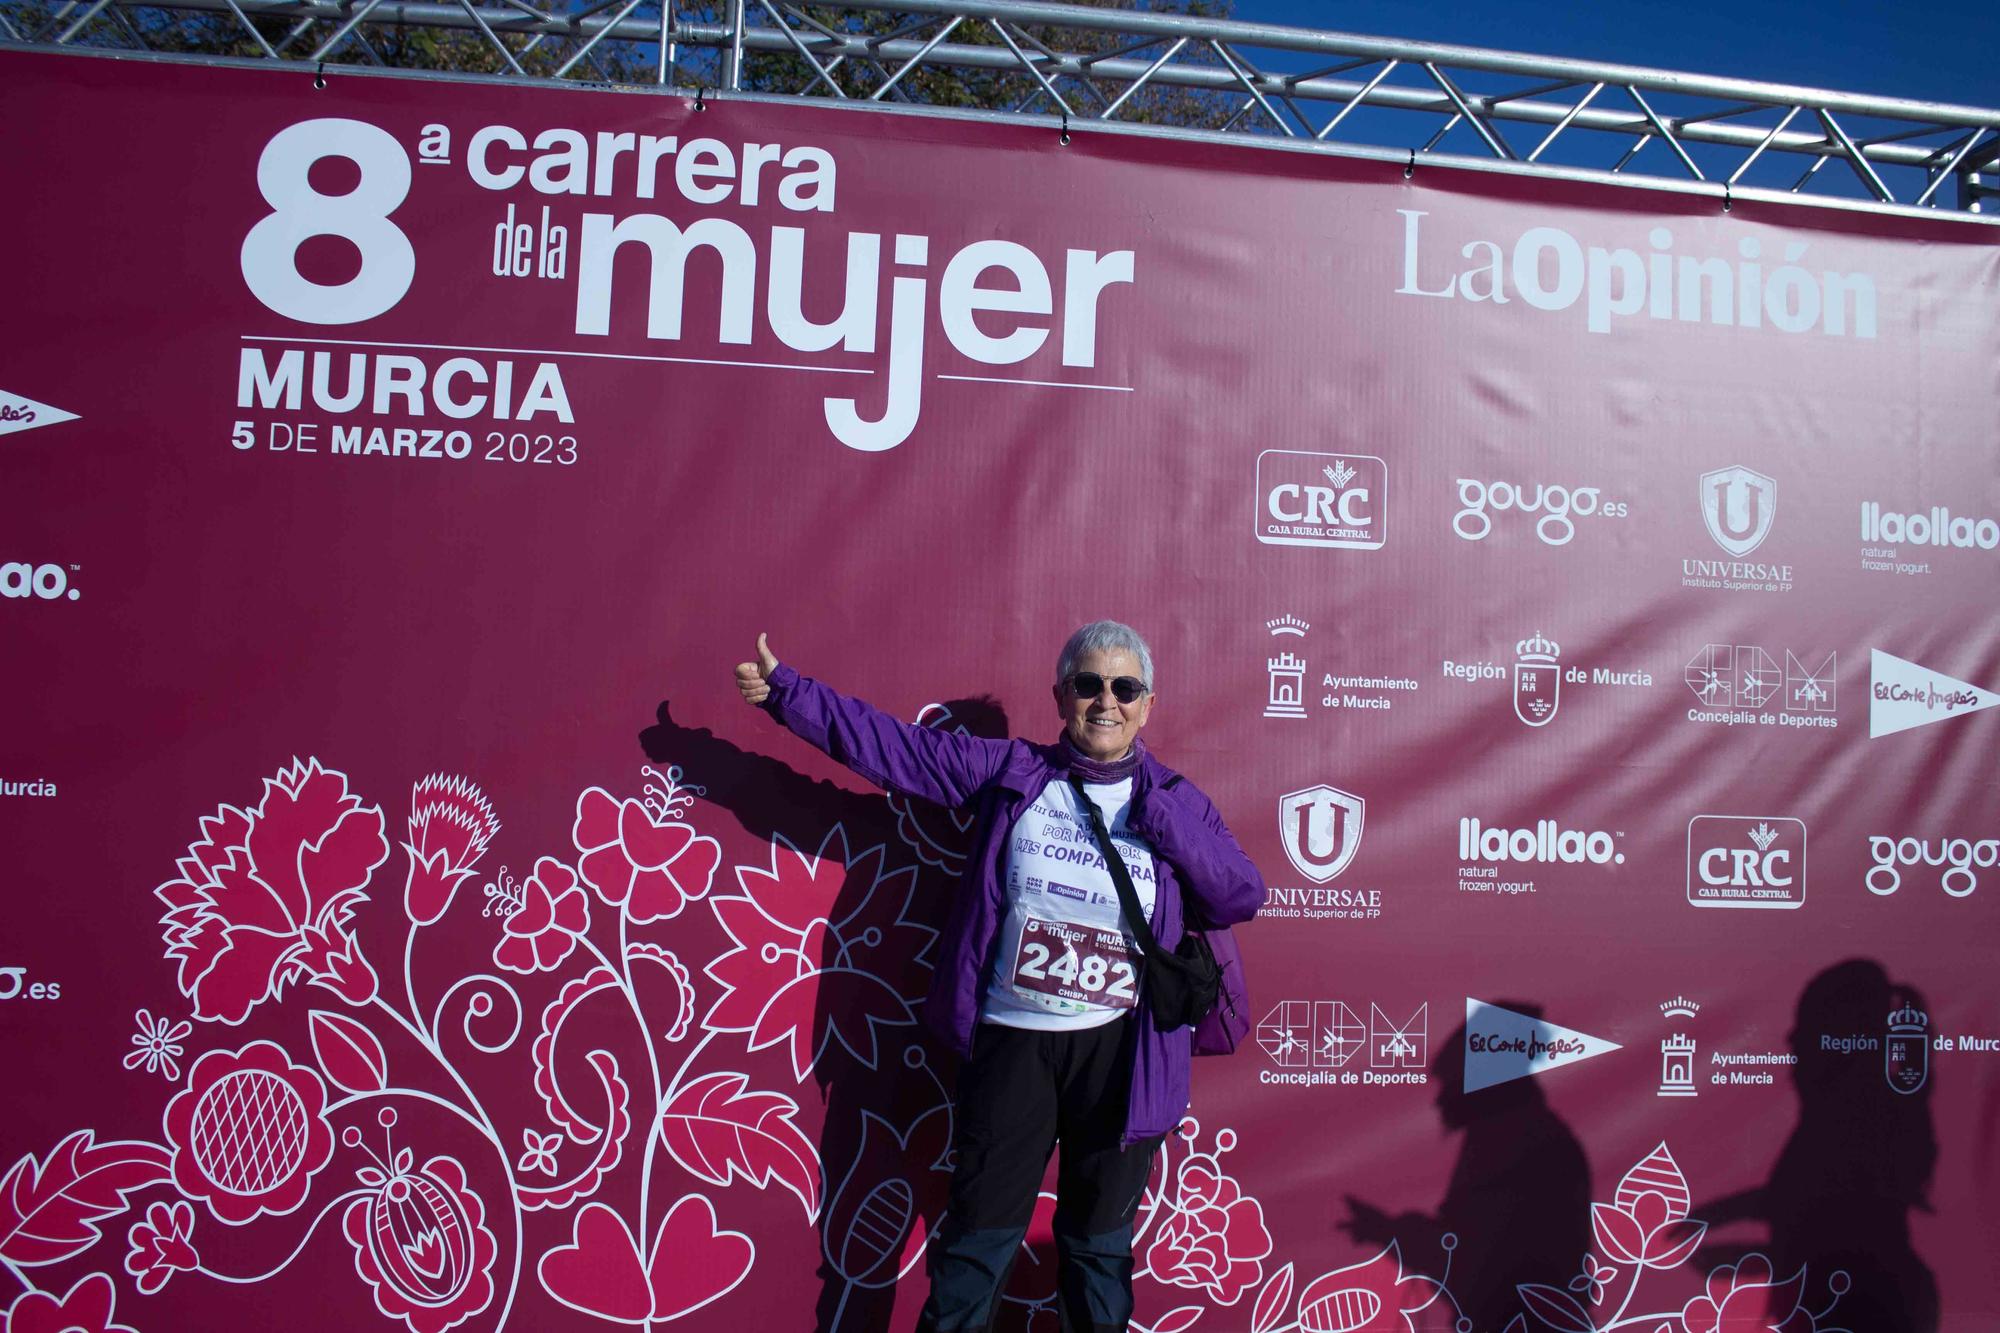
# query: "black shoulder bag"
[[1182, 986]]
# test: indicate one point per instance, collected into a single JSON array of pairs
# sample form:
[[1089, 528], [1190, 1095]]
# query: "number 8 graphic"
[[299, 212]]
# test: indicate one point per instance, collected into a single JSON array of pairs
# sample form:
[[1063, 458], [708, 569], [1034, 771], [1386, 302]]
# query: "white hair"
[[1103, 636]]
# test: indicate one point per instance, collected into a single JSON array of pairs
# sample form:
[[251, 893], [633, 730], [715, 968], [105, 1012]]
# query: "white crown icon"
[[1287, 625], [1680, 1007], [1909, 1019], [1538, 649]]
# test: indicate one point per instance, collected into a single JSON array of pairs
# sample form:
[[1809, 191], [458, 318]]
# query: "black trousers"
[[1021, 1095]]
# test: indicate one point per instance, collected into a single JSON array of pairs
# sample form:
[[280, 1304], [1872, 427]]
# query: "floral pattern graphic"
[[1743, 1297], [1215, 1239], [158, 1042], [420, 1241], [809, 968], [248, 1132], [87, 1307], [638, 854], [597, 1178], [451, 822], [161, 1245], [265, 895], [554, 913], [1649, 1223]]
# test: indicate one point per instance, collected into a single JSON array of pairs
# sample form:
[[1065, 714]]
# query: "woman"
[[1038, 976]]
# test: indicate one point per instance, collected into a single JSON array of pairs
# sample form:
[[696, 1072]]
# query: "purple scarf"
[[1098, 770]]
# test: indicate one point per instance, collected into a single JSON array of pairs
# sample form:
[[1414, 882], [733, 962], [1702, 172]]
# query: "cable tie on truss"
[[1063, 138], [319, 75], [1727, 201], [1410, 167], [700, 94]]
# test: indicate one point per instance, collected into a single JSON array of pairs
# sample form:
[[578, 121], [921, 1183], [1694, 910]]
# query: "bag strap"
[[1128, 898]]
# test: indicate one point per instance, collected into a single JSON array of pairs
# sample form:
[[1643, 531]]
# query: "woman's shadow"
[[1860, 1159], [885, 1138], [1518, 1202]]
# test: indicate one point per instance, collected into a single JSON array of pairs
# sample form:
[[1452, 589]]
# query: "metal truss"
[[1083, 67]]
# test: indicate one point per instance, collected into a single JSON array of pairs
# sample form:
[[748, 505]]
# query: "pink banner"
[[1579, 602]]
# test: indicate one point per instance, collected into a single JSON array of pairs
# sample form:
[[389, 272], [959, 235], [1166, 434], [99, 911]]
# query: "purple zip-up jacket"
[[1193, 851]]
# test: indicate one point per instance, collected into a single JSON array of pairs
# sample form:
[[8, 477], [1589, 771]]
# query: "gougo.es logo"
[[1559, 507], [1959, 858]]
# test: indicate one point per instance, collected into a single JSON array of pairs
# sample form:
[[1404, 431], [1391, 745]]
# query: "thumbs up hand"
[[754, 678]]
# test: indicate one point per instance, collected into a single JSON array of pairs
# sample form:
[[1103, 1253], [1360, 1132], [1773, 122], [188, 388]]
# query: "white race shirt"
[[1066, 958]]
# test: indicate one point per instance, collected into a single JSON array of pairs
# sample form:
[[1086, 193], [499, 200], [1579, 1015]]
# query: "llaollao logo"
[[22, 579]]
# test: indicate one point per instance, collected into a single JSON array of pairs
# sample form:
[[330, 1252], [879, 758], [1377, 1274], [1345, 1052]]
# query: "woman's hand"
[[754, 678]]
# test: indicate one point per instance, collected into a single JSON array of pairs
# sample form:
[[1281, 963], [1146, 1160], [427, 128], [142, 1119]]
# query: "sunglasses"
[[1088, 685]]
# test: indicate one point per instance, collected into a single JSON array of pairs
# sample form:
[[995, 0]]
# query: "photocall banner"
[[1578, 601]]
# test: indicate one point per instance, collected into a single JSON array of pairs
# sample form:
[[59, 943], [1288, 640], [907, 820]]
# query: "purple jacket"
[[1194, 852]]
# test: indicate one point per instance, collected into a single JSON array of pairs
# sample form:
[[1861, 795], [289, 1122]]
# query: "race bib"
[[1079, 964]]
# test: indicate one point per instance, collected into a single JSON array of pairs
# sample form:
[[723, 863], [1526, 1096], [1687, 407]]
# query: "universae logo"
[[1320, 827]]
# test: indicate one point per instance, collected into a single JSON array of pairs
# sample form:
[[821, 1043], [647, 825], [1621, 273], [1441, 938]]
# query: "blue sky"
[[1942, 53], [1946, 52]]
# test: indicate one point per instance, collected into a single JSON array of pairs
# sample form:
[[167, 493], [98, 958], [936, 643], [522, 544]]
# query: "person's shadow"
[[1518, 1201], [885, 1139], [1859, 1160]]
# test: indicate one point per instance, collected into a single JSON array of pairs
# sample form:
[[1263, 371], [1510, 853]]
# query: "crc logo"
[[48, 583], [1321, 830], [1746, 861], [1555, 504], [1738, 506], [1311, 499], [1958, 856]]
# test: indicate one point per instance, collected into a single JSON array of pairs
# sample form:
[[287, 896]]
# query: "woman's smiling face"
[[1100, 726]]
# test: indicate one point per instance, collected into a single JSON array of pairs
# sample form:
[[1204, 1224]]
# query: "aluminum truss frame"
[[1079, 67]]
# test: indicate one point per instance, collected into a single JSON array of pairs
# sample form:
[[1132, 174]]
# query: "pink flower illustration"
[[638, 854], [809, 968], [86, 1308], [265, 896], [1649, 1223], [248, 1132], [554, 911], [162, 1245], [1744, 1298], [1215, 1240], [421, 1242], [451, 821]]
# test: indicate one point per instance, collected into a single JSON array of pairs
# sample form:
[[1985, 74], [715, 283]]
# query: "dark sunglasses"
[[1088, 685]]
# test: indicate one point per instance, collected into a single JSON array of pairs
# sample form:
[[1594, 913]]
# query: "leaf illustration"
[[348, 1052], [49, 1210], [1272, 1301], [1178, 1320], [1556, 1308], [717, 1129]]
